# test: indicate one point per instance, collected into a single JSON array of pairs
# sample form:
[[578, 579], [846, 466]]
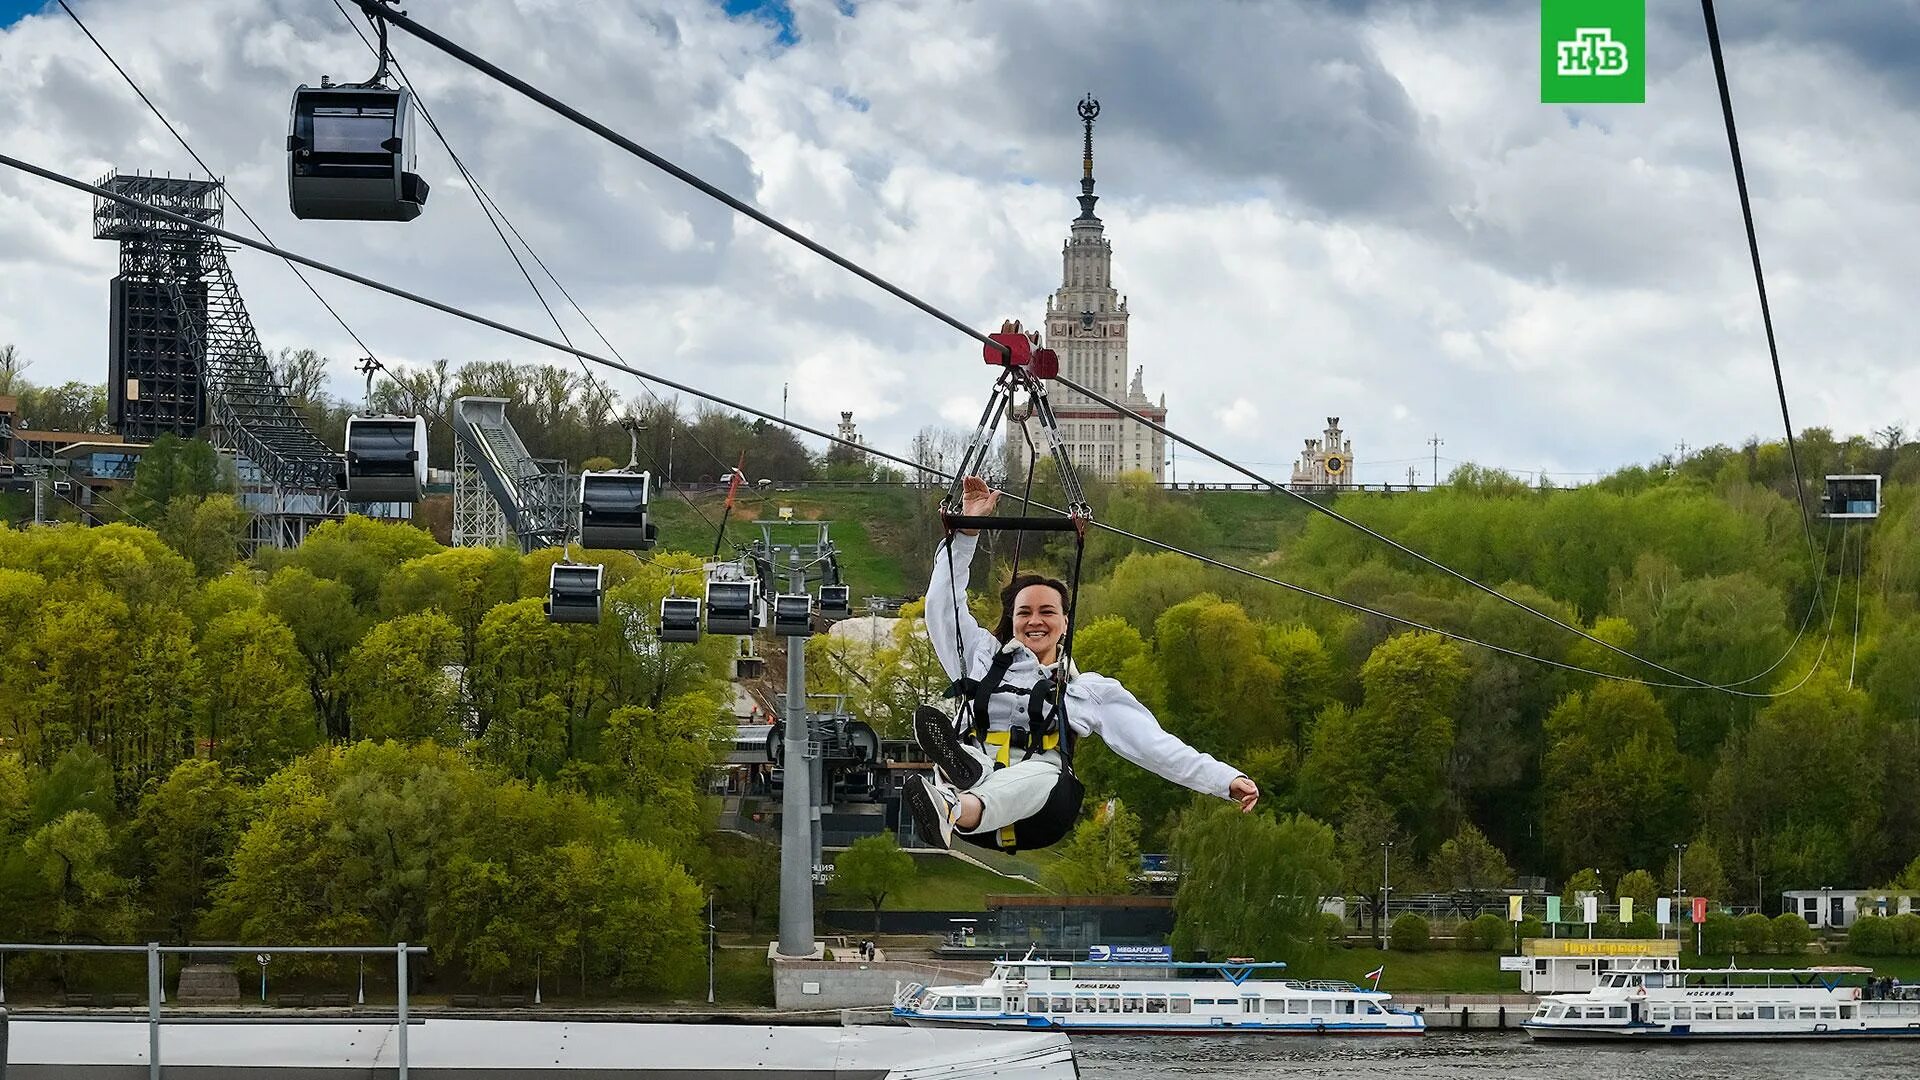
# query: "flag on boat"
[[1375, 975]]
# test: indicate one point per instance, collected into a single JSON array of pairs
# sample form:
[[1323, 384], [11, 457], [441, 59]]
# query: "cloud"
[[1317, 208]]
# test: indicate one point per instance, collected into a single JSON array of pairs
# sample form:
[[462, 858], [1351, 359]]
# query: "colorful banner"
[[1663, 910], [1590, 909], [1513, 909], [1699, 909], [1553, 909], [1626, 909]]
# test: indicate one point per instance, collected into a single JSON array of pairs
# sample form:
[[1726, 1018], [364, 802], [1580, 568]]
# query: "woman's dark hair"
[[1004, 632]]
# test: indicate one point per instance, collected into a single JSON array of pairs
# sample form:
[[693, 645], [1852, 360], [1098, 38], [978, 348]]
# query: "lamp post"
[[1679, 854], [263, 959], [710, 939], [1386, 849], [1826, 907]]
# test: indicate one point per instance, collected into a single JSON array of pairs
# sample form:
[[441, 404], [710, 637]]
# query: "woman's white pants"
[[1015, 793]]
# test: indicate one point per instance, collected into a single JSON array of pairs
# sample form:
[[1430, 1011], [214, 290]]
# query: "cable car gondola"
[[574, 592], [836, 602], [680, 619], [793, 615], [386, 459], [350, 154], [613, 511], [729, 607], [1854, 496]]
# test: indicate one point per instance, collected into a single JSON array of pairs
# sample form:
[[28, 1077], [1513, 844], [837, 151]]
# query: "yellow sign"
[[1626, 909], [1513, 909], [1599, 947]]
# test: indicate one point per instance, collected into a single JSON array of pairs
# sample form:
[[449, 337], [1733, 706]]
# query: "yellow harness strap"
[[1000, 748]]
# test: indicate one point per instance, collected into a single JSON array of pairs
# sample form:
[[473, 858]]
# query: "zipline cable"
[[377, 9], [527, 335], [1759, 276], [1418, 556]]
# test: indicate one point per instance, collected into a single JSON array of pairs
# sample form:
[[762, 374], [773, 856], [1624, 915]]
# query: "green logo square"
[[1593, 51]]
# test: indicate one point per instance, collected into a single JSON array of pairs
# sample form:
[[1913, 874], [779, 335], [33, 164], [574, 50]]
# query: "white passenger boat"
[[1156, 996], [1732, 1003]]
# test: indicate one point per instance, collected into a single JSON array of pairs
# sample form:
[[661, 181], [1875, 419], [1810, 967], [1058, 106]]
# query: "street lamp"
[[1679, 855], [1386, 849], [263, 959]]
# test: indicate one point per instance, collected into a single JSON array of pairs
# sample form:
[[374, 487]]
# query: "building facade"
[[1326, 461], [1087, 326]]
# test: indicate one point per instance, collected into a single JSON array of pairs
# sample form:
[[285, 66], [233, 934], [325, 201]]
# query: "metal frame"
[[200, 353], [156, 991], [1827, 513], [529, 493]]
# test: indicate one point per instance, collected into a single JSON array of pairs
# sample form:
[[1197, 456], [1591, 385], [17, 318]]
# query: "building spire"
[[1089, 110]]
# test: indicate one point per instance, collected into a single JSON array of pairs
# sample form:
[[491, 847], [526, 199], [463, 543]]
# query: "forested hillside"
[[377, 737]]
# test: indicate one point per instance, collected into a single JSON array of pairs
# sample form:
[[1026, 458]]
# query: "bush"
[[1531, 927], [1609, 927], [1333, 931], [1870, 935], [1644, 925], [1410, 933], [1483, 933], [1791, 933], [1754, 933], [1906, 934], [1718, 934]]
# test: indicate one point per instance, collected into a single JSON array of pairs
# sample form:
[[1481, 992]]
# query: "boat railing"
[[1337, 985]]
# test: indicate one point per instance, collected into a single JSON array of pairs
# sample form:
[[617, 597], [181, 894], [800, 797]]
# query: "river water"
[[1451, 1055]]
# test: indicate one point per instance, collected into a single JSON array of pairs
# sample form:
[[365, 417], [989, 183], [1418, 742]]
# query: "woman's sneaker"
[[934, 806], [933, 730]]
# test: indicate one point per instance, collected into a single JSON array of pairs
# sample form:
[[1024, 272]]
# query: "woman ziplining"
[[1006, 764]]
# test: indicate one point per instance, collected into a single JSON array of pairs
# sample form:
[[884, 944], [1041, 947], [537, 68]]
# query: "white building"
[[1838, 908], [1087, 327], [1326, 461]]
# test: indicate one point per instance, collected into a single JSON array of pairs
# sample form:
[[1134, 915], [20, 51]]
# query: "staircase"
[[531, 494]]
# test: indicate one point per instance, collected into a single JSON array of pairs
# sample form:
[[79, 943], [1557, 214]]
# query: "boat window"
[[1617, 1012], [1596, 1012], [1910, 1008], [1683, 1012], [1036, 972], [1156, 1005], [1656, 982], [1743, 1012], [1846, 1012], [1808, 1012], [1766, 1012], [1346, 1008], [1538, 1014], [1723, 1012], [1062, 1004], [1276, 1005], [1182, 1005], [965, 1003], [1036, 1004], [1129, 1004], [1322, 1007], [944, 1003], [1297, 1006], [1083, 1004], [1063, 973], [1659, 1013], [1109, 1003], [989, 1004], [1252, 1005], [1372, 1009], [1828, 1012]]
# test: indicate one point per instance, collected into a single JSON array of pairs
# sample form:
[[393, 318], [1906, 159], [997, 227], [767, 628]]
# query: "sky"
[[1352, 208]]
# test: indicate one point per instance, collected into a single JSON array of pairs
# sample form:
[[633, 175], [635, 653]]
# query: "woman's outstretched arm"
[[1134, 733], [950, 623]]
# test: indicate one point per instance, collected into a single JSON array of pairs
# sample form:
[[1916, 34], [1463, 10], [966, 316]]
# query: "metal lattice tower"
[[185, 355], [492, 467]]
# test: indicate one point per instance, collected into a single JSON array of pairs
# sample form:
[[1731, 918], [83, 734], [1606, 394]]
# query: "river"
[[1449, 1055]]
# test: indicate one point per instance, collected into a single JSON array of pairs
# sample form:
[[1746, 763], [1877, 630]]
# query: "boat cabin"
[[1572, 965]]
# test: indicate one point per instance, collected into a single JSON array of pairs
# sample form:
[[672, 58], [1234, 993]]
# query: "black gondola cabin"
[[793, 615], [729, 607], [386, 459], [573, 593], [350, 155], [613, 511], [836, 602], [680, 619]]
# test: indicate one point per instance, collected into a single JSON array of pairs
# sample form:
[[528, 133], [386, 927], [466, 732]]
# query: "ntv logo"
[[1592, 52]]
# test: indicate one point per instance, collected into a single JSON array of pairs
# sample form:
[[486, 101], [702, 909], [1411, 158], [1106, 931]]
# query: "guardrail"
[[156, 993]]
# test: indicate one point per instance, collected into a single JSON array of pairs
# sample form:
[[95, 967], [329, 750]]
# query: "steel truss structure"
[[501, 493], [185, 355]]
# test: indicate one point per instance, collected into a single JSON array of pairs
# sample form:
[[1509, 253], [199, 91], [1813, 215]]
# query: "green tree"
[[1101, 856], [1615, 794], [254, 708], [207, 530], [172, 468], [73, 857], [326, 626], [1469, 863], [1640, 885], [402, 688], [872, 868], [1251, 885], [182, 831], [1700, 870]]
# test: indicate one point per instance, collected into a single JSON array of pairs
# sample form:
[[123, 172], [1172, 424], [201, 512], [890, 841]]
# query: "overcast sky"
[[1322, 207]]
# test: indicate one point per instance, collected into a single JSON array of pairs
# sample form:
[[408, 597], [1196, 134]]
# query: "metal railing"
[[156, 992]]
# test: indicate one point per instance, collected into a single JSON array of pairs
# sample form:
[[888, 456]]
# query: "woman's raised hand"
[[977, 500]]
